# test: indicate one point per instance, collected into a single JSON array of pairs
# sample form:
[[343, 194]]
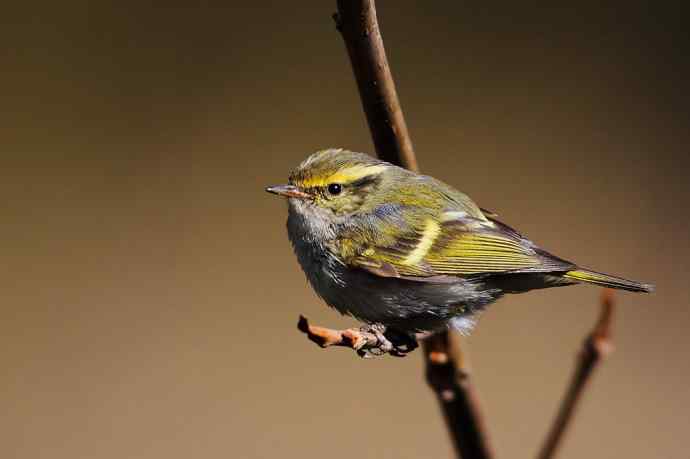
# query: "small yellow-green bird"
[[406, 251]]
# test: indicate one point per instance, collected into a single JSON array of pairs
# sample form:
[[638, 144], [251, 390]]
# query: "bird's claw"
[[396, 343]]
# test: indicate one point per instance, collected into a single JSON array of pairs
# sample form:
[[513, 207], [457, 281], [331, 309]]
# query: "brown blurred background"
[[149, 293]]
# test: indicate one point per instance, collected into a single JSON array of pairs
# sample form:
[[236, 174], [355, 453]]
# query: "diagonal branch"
[[357, 22], [448, 375], [445, 372], [597, 346]]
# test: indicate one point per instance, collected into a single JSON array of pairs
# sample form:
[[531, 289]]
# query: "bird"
[[402, 251]]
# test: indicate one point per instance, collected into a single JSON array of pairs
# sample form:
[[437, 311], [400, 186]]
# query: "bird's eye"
[[335, 189]]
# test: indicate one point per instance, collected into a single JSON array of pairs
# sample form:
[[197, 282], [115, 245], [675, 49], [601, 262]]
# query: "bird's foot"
[[389, 341], [403, 343]]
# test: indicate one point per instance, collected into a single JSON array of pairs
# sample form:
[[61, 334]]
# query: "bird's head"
[[340, 182]]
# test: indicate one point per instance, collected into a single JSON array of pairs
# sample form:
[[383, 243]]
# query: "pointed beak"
[[288, 191]]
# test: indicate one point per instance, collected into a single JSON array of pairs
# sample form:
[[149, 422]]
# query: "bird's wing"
[[455, 245]]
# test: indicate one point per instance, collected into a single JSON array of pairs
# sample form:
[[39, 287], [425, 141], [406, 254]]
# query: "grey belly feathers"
[[405, 305]]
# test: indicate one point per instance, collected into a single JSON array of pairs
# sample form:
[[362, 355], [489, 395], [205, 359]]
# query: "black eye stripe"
[[365, 181]]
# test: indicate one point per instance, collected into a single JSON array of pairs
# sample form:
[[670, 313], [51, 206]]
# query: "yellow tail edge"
[[606, 280]]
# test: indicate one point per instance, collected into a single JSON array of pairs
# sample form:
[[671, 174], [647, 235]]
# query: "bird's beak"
[[289, 191]]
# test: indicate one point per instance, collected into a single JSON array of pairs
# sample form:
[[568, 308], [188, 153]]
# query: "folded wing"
[[456, 245]]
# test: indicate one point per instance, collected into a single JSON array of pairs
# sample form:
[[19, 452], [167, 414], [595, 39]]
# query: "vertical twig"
[[357, 22], [596, 347]]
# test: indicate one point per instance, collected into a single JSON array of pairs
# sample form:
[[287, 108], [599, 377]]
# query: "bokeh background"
[[149, 293]]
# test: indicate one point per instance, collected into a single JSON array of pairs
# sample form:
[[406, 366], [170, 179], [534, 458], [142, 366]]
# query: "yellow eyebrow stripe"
[[431, 232], [344, 176]]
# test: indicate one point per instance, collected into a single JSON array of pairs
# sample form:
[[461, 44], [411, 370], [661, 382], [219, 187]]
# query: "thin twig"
[[366, 343], [597, 346], [326, 337], [358, 24]]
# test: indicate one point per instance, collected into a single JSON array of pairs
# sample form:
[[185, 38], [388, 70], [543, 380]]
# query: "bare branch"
[[448, 375], [445, 373], [356, 20], [597, 346], [358, 24], [366, 343]]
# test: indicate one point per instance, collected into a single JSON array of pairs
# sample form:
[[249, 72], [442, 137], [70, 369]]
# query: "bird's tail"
[[606, 280]]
